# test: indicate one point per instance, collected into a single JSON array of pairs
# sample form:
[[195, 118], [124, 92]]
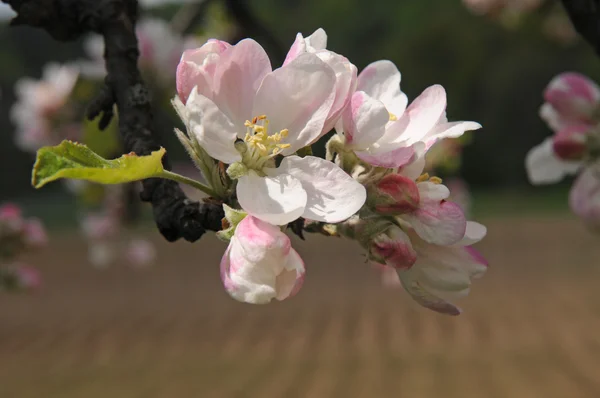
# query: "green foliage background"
[[493, 75]]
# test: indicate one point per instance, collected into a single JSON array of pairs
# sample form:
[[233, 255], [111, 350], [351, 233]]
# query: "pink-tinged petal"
[[584, 198], [425, 298], [364, 121], [381, 80], [238, 75], [574, 96], [260, 264], [317, 41], [473, 233], [332, 195], [420, 116], [277, 199], [570, 143], [544, 167], [197, 68], [438, 223], [35, 233], [298, 47], [449, 130], [297, 97], [345, 85], [213, 129], [290, 281], [394, 194], [393, 248], [390, 160]]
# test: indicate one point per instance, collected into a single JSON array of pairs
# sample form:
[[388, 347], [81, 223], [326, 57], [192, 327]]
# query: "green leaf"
[[76, 161]]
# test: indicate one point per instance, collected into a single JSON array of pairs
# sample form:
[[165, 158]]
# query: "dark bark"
[[176, 216], [585, 16]]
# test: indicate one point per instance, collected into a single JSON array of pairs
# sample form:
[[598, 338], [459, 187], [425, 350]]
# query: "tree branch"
[[175, 215], [585, 16]]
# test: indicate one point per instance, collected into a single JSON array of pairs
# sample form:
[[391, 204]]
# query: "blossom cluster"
[[258, 124], [17, 236], [572, 110]]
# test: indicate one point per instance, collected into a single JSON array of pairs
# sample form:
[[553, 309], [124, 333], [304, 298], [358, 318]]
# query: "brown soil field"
[[530, 328]]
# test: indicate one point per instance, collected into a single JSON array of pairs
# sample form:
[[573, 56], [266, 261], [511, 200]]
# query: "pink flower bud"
[[394, 195], [574, 96], [260, 264], [27, 277], [393, 248], [197, 68], [570, 142]]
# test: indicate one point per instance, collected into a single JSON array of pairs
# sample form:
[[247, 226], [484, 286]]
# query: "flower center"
[[258, 139], [258, 148]]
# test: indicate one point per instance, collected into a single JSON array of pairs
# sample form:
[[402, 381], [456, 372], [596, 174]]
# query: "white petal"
[[429, 191], [277, 199], [213, 130], [364, 121], [543, 167], [474, 233], [290, 280], [317, 41], [450, 130], [333, 195], [421, 115], [297, 97], [238, 75], [381, 80], [414, 169]]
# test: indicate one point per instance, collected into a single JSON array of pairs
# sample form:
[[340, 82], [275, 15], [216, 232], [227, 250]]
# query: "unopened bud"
[[394, 195], [393, 248], [570, 143]]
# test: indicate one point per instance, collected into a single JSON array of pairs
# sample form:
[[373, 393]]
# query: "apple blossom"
[[40, 114], [584, 198], [443, 274], [271, 113], [260, 264], [380, 128], [393, 248]]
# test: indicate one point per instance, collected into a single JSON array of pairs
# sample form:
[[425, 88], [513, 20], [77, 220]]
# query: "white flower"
[[271, 113], [39, 106], [382, 130], [545, 167], [260, 264]]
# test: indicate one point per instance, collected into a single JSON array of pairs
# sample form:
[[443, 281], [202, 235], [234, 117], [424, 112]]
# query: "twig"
[[175, 215]]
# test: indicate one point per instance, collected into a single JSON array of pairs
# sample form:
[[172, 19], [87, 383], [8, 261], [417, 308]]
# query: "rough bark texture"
[[585, 16], [176, 216]]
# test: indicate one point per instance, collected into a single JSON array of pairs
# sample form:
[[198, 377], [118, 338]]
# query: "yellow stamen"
[[393, 117], [423, 177], [435, 180], [257, 136]]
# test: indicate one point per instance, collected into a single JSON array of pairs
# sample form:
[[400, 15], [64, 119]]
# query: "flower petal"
[[333, 195], [543, 167], [297, 97], [381, 80], [420, 116], [394, 249], [238, 75], [364, 121], [290, 280], [317, 41], [391, 160], [425, 298], [213, 130], [431, 192], [438, 223], [449, 130], [473, 234], [584, 198], [277, 199], [415, 168]]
